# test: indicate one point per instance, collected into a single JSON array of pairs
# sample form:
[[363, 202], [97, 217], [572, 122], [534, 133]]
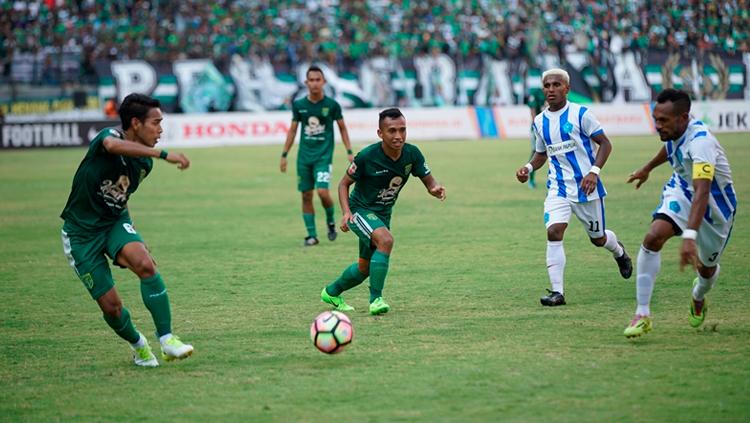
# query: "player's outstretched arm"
[[290, 135], [345, 139], [522, 174], [434, 187], [344, 185], [134, 149], [641, 175]]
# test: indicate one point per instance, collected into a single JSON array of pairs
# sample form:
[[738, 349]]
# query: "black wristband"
[[349, 151], [284, 154], [163, 155]]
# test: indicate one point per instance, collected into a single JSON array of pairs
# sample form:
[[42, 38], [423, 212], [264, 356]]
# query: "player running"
[[97, 225], [578, 149], [379, 172], [697, 202]]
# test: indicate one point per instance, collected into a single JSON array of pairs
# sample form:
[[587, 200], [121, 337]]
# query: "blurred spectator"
[[342, 33]]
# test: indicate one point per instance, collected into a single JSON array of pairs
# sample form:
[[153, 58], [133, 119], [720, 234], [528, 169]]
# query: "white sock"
[[648, 265], [556, 264], [704, 285], [612, 244], [164, 338], [141, 341]]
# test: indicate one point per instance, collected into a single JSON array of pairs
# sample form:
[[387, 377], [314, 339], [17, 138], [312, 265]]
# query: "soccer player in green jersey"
[[378, 173], [97, 224], [317, 112]]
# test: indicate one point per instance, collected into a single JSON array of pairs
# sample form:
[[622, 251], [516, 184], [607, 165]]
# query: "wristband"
[[284, 154], [690, 234], [349, 151], [529, 166], [163, 155], [595, 170]]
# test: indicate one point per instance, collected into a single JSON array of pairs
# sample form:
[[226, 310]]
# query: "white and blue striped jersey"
[[698, 145], [565, 135]]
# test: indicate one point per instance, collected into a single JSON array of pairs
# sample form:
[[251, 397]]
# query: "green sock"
[[154, 294], [348, 280], [329, 215], [378, 271], [123, 326], [309, 219]]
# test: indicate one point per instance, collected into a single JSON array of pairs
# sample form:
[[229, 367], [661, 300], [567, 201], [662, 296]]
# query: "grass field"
[[466, 339]]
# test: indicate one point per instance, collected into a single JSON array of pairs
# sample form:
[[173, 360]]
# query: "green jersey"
[[316, 141], [102, 185], [379, 179]]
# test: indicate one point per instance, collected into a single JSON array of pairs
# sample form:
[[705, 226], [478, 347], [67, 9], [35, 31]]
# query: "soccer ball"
[[331, 331]]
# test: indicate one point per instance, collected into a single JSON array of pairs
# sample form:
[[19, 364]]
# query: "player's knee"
[[144, 266], [654, 240], [307, 197], [555, 233], [324, 193], [599, 242], [111, 307], [385, 242], [706, 272]]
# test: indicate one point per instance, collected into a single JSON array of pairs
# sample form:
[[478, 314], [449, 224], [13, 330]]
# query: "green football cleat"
[[336, 301], [174, 349], [698, 310], [144, 357], [640, 325], [379, 307]]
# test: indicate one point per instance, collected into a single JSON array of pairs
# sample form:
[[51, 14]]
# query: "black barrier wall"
[[51, 134]]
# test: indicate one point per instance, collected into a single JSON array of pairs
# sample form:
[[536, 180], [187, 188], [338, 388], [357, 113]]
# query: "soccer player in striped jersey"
[[697, 202], [577, 147], [378, 173]]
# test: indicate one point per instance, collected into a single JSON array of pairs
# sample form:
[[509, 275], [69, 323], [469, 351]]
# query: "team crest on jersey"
[[407, 169], [567, 127], [325, 111], [142, 176], [352, 169], [88, 281]]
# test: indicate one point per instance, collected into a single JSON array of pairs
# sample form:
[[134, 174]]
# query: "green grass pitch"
[[466, 340]]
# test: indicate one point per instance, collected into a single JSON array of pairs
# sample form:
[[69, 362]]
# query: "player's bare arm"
[[522, 174], [344, 185], [345, 139], [588, 184], [434, 187], [290, 135], [641, 175], [134, 149], [689, 250]]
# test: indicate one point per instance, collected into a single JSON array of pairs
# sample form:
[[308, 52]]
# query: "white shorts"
[[712, 238], [590, 213]]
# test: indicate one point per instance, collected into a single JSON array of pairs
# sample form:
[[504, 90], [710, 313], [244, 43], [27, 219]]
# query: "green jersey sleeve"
[[419, 168], [357, 167], [295, 112], [336, 113]]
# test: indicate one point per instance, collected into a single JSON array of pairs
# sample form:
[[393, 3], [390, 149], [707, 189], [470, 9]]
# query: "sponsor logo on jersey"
[[561, 148], [314, 127]]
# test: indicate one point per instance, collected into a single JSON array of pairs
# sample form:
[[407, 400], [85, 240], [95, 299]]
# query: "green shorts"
[[86, 252], [365, 223], [314, 175]]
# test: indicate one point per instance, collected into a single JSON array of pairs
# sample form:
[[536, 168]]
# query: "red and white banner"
[[450, 123]]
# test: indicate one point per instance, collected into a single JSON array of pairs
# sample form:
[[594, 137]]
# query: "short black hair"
[[136, 106], [679, 99], [392, 113], [314, 68]]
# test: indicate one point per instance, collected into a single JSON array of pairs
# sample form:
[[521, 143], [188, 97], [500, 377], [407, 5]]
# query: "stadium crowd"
[[66, 37]]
